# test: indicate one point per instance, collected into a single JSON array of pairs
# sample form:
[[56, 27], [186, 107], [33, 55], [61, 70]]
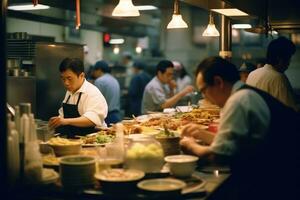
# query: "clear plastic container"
[[144, 153]]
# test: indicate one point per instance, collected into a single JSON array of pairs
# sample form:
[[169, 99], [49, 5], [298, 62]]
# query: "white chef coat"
[[274, 83], [92, 104]]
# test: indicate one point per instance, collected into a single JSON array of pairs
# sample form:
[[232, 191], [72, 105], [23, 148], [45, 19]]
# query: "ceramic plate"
[[161, 184], [119, 175]]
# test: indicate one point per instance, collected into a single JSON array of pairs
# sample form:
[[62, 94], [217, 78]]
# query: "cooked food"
[[58, 141], [165, 133], [132, 129], [120, 175], [50, 160], [171, 124], [102, 138]]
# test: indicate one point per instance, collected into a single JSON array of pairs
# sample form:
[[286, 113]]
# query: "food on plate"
[[132, 129], [58, 141], [165, 134], [119, 175], [50, 160], [171, 124], [101, 138]]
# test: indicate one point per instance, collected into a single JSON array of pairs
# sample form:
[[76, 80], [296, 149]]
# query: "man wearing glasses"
[[250, 134]]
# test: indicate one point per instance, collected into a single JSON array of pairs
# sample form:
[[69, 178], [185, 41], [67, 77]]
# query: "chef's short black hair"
[[103, 66], [73, 64], [163, 65], [278, 49], [217, 66], [139, 65]]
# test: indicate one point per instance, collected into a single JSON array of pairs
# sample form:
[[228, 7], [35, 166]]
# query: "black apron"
[[271, 169], [71, 111]]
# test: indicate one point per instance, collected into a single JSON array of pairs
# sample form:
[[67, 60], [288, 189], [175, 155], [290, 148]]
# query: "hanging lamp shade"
[[177, 21], [211, 30], [125, 8]]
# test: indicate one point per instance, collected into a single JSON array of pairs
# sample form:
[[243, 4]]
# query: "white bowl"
[[64, 150], [182, 165]]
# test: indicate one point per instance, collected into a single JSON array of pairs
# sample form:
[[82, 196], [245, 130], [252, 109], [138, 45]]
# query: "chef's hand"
[[191, 130], [55, 122], [198, 133], [188, 145], [188, 89], [172, 84]]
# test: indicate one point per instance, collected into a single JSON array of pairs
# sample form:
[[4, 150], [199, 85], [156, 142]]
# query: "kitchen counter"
[[217, 187]]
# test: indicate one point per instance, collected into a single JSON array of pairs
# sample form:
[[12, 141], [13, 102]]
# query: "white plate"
[[161, 184], [120, 175], [143, 118], [184, 108], [169, 110]]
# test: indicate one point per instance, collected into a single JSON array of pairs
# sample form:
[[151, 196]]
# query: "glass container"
[[144, 153]]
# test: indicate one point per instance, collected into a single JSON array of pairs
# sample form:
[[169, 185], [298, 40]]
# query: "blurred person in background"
[[83, 107], [127, 61], [136, 88], [160, 91], [271, 77], [245, 70], [182, 79], [88, 66], [110, 88]]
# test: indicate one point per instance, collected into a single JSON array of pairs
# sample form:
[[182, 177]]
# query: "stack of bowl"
[[77, 171]]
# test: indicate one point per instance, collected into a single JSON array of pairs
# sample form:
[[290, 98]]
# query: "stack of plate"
[[77, 171]]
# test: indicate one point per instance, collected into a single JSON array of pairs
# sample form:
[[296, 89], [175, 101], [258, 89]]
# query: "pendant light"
[[177, 21], [211, 30], [125, 8], [77, 14], [28, 6]]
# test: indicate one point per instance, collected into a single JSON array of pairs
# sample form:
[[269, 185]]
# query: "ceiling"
[[284, 16]]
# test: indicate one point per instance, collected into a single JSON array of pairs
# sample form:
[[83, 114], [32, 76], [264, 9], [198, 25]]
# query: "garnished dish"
[[98, 138], [166, 134], [169, 141]]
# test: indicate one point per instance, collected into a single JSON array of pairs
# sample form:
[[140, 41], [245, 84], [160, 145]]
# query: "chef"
[[83, 107]]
